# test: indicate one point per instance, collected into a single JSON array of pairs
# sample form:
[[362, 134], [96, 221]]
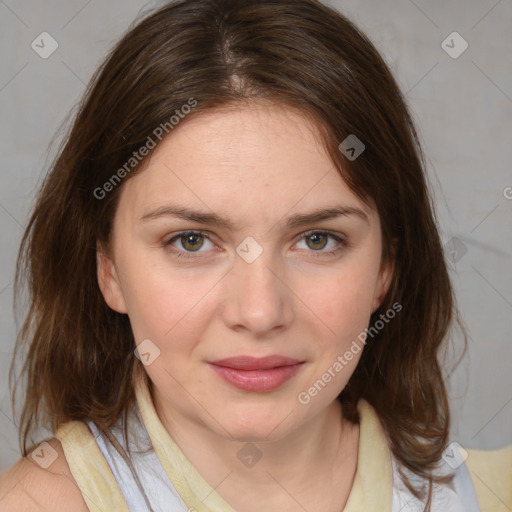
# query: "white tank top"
[[158, 487], [459, 496]]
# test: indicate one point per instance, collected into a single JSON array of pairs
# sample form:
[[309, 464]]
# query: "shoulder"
[[491, 472], [30, 487]]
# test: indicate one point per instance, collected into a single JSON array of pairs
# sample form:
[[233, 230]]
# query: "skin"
[[254, 165]]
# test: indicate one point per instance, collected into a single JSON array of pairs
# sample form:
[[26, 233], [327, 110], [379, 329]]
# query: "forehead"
[[238, 136], [258, 160]]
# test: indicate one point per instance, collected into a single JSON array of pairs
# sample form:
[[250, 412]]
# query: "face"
[[214, 257]]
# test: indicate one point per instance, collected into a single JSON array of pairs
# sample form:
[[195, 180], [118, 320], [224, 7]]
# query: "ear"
[[385, 278], [108, 281]]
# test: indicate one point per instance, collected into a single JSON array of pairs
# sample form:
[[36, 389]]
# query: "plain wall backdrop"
[[462, 104]]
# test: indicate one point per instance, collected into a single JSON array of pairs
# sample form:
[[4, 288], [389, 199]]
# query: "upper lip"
[[256, 363]]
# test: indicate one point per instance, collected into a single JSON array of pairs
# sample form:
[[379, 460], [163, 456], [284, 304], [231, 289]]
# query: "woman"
[[238, 291]]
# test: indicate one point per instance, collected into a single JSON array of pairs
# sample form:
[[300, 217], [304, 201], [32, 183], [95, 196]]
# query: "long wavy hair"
[[78, 359]]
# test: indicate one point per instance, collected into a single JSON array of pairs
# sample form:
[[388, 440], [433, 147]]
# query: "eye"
[[193, 241], [190, 241], [319, 240]]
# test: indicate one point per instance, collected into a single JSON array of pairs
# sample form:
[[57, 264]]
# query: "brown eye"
[[192, 241], [318, 241]]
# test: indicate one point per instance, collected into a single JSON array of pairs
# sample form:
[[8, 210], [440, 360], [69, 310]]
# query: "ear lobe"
[[108, 282]]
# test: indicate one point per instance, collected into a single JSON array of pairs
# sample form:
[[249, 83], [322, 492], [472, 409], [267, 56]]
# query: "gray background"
[[463, 109]]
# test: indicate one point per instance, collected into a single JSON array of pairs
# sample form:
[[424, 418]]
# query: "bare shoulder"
[[29, 486]]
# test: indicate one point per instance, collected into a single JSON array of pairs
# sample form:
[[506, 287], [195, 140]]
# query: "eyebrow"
[[293, 221]]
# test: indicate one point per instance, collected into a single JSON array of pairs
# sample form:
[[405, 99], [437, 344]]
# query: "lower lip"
[[257, 380]]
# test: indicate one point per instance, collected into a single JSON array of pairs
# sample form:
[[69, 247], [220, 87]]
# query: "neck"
[[322, 450]]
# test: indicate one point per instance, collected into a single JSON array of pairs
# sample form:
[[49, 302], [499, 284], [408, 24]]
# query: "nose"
[[258, 298]]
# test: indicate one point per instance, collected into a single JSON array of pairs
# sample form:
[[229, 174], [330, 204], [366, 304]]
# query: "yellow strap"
[[491, 472], [88, 466], [373, 483], [197, 494]]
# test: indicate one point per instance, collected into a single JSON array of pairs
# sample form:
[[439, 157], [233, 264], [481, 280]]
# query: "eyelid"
[[310, 232]]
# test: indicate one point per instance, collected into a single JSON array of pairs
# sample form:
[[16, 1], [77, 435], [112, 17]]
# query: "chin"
[[255, 424], [254, 434]]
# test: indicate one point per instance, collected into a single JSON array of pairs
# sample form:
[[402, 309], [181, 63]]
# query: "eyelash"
[[180, 254]]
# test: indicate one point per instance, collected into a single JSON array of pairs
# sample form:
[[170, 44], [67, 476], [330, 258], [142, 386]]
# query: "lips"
[[256, 374], [256, 363]]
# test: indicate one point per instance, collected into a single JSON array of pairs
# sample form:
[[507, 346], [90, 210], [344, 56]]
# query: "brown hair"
[[297, 53]]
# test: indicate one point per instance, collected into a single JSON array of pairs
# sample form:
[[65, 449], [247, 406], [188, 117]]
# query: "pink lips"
[[256, 374]]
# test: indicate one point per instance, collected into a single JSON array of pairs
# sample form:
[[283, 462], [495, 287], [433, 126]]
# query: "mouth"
[[256, 374]]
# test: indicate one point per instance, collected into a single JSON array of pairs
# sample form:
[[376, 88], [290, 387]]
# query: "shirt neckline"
[[371, 489]]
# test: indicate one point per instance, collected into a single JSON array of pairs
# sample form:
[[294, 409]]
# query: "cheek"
[[163, 304], [344, 301]]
